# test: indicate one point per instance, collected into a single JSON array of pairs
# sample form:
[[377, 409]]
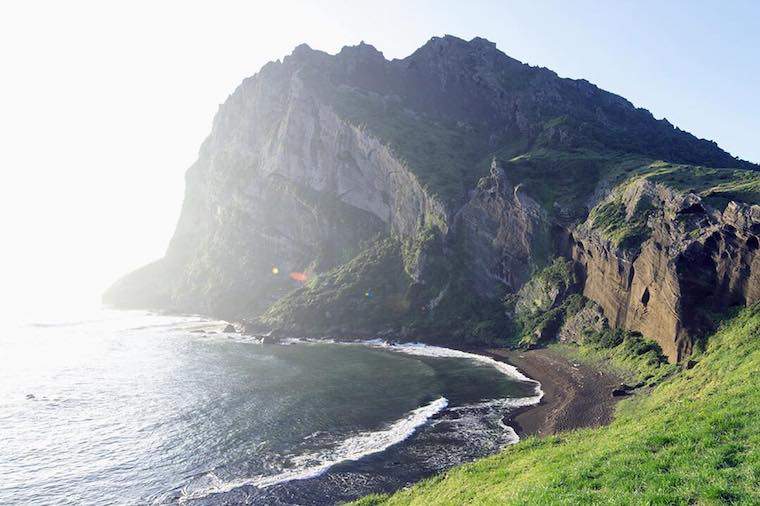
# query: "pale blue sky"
[[105, 103]]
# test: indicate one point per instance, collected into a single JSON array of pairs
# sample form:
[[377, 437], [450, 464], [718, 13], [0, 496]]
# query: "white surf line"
[[368, 443], [427, 350], [422, 349], [314, 464]]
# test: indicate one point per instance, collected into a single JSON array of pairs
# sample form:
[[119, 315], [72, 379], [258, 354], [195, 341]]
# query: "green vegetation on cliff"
[[439, 152], [610, 219], [716, 186], [540, 306], [693, 439], [626, 225], [626, 354], [563, 180], [367, 292]]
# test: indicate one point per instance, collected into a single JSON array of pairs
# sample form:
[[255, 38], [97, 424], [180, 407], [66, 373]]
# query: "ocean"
[[129, 407]]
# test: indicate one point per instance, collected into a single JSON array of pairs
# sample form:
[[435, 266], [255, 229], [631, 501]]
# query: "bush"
[[573, 304], [607, 338], [633, 344]]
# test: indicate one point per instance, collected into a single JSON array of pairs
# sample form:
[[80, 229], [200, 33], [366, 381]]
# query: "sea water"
[[128, 407]]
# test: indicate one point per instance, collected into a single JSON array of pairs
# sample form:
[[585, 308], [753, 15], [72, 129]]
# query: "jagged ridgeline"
[[348, 194]]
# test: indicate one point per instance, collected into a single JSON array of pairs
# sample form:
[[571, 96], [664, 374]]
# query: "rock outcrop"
[[504, 232], [695, 261], [588, 320], [282, 185]]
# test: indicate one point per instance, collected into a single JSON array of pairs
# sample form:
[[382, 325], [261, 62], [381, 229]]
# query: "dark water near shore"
[[133, 408]]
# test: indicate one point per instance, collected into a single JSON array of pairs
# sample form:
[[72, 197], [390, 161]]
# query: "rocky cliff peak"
[[361, 51], [452, 54], [302, 51], [453, 44]]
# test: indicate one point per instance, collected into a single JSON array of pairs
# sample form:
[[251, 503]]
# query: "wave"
[[439, 351], [495, 406], [311, 465], [427, 350], [482, 424]]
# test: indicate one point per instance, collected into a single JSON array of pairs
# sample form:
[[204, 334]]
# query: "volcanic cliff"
[[348, 194]]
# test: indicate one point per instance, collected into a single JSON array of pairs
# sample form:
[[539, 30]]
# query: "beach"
[[575, 395]]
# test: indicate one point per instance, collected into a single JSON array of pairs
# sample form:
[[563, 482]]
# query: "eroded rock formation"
[[697, 260], [504, 233]]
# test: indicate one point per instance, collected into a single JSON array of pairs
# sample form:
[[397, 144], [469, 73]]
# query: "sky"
[[104, 104]]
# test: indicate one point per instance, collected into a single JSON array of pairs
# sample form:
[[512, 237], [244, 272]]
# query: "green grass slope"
[[693, 440]]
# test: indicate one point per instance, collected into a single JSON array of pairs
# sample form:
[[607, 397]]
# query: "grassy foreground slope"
[[693, 440]]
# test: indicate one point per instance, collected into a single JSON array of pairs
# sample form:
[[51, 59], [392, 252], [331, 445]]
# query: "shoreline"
[[575, 395]]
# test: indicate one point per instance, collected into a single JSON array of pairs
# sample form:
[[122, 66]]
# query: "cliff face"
[[282, 186], [505, 235], [419, 192], [696, 260]]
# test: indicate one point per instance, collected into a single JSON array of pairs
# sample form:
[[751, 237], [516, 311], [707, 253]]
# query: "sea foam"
[[367, 443], [427, 350], [311, 465], [439, 351]]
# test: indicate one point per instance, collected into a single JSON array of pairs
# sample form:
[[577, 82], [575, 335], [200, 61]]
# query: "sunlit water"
[[133, 408]]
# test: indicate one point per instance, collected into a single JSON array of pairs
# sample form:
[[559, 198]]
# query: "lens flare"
[[275, 270], [301, 277]]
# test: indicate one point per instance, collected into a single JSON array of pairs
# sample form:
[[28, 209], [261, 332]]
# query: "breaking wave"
[[478, 420], [492, 409], [314, 464], [427, 350]]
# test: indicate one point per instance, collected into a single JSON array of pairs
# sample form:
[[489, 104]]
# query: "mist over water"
[[121, 407]]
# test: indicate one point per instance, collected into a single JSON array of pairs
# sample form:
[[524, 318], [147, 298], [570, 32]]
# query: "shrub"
[[607, 338]]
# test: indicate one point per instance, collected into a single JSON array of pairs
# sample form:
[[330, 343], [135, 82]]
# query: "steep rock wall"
[[281, 185], [696, 260], [318, 155], [503, 231]]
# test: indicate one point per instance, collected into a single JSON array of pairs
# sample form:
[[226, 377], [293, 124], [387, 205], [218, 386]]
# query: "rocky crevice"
[[504, 234]]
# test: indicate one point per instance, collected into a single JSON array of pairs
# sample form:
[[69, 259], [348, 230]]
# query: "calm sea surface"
[[124, 407]]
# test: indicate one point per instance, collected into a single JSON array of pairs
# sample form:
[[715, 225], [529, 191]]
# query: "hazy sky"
[[103, 105]]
